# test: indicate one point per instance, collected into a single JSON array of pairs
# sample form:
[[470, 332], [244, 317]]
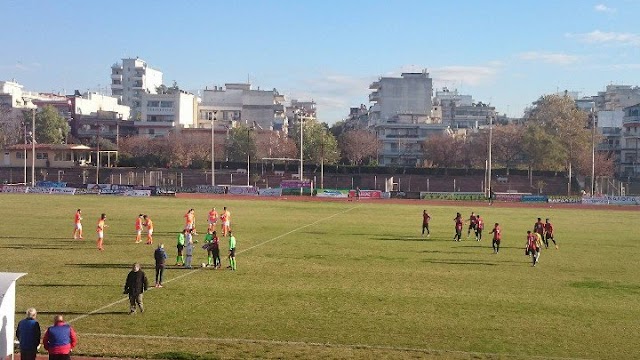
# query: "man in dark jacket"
[[59, 339], [135, 285], [28, 333], [160, 256]]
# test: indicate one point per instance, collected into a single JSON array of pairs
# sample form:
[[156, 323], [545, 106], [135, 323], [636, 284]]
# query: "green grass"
[[332, 280]]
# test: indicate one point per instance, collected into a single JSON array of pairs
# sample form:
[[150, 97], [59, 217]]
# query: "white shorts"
[[227, 223], [101, 234], [78, 226], [213, 222], [139, 232], [150, 232], [188, 226]]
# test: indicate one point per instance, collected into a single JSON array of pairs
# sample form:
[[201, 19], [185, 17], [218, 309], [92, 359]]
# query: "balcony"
[[116, 87], [374, 96], [116, 77], [374, 85], [631, 119]]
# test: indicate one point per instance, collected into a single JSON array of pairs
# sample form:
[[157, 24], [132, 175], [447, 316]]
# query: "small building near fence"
[[47, 155]]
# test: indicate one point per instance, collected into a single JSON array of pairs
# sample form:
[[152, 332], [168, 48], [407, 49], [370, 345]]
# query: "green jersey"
[[232, 242], [181, 239], [208, 238]]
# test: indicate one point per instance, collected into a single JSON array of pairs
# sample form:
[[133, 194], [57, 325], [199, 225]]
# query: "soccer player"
[[100, 231], [458, 220], [149, 224], [538, 227], [225, 217], [479, 227], [548, 234], [213, 219], [472, 223], [77, 228], [208, 240], [532, 247], [180, 246], [189, 219], [188, 244], [497, 237], [139, 225], [425, 222], [232, 252], [215, 251]]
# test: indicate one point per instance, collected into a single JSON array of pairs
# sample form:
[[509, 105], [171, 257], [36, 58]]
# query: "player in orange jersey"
[[225, 217], [139, 225], [213, 220], [189, 220], [149, 224], [100, 231], [77, 228]]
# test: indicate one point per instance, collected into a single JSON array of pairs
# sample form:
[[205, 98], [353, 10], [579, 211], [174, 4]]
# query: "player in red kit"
[[479, 227], [548, 234], [532, 247], [425, 223], [497, 237], [538, 227], [472, 223], [458, 220]]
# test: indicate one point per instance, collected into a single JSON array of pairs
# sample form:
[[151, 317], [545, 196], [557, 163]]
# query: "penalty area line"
[[318, 344], [239, 252]]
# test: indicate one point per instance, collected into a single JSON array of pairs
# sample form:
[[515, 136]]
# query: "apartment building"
[[130, 80], [162, 113]]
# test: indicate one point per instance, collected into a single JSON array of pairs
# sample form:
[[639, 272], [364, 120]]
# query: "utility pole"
[[33, 147], [593, 151], [213, 154]]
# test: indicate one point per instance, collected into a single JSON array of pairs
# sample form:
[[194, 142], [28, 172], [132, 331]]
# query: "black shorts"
[[472, 226], [232, 252], [215, 252], [548, 236], [180, 248]]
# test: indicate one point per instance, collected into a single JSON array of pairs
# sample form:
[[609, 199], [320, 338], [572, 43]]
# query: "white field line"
[[326, 345], [193, 271]]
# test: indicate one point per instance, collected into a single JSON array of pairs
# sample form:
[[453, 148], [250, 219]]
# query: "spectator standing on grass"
[[458, 221], [548, 234], [135, 285], [28, 333], [497, 237], [59, 339], [77, 227], [180, 246], [425, 222], [479, 227], [160, 257], [232, 251]]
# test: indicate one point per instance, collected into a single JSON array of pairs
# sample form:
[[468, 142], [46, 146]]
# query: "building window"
[[20, 155], [153, 104], [42, 156], [166, 104], [152, 132]]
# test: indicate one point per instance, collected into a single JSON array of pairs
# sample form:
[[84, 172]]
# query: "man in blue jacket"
[[28, 333], [59, 339]]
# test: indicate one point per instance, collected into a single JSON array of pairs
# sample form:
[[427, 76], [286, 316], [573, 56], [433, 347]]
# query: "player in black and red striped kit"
[[548, 234], [473, 219]]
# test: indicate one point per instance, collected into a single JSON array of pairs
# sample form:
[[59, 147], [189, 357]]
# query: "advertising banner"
[[242, 190], [367, 194], [611, 200], [137, 193], [509, 197], [295, 184], [465, 196], [558, 199], [39, 190], [208, 189], [54, 184], [534, 198], [14, 189], [270, 192], [330, 193], [63, 191]]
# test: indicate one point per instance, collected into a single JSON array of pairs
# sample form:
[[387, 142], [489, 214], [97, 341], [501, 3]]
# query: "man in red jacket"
[[59, 339]]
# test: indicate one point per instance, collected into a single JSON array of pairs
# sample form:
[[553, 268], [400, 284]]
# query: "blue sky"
[[506, 53]]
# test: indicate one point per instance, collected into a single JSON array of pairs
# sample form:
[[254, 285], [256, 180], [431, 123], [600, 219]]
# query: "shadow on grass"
[[459, 262], [108, 266], [82, 313], [406, 238], [184, 356], [65, 285], [41, 247]]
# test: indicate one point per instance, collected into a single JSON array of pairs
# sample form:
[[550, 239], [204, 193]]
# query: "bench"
[[295, 176], [241, 171], [502, 179], [279, 172]]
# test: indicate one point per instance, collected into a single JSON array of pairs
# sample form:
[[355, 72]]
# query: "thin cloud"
[[469, 75], [548, 58], [604, 8], [603, 37]]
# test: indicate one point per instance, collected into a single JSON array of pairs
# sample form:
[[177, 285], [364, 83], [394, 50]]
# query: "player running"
[[472, 224], [548, 234], [149, 224], [538, 227], [532, 247], [497, 237], [77, 228], [213, 220], [139, 222], [425, 223], [100, 231]]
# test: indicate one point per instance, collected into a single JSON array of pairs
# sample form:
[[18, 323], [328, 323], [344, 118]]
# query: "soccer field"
[[331, 280]]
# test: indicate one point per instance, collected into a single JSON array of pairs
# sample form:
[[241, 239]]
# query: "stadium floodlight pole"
[[213, 154], [593, 151], [490, 117], [248, 153], [24, 127], [33, 147], [301, 119], [98, 155]]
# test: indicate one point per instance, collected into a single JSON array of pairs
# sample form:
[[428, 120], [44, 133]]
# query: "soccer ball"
[[203, 265]]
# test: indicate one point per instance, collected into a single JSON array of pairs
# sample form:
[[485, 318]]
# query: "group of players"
[[541, 234], [185, 237]]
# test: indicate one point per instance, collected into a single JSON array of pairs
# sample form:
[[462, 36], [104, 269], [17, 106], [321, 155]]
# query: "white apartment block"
[[237, 103], [460, 111], [305, 110], [90, 104], [617, 97], [162, 113], [408, 94], [130, 80]]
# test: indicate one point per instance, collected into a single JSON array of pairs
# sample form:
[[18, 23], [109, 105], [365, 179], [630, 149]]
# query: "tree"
[[141, 151], [358, 145], [241, 142], [507, 142], [318, 142], [274, 144], [51, 127], [442, 150], [560, 125], [10, 129]]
